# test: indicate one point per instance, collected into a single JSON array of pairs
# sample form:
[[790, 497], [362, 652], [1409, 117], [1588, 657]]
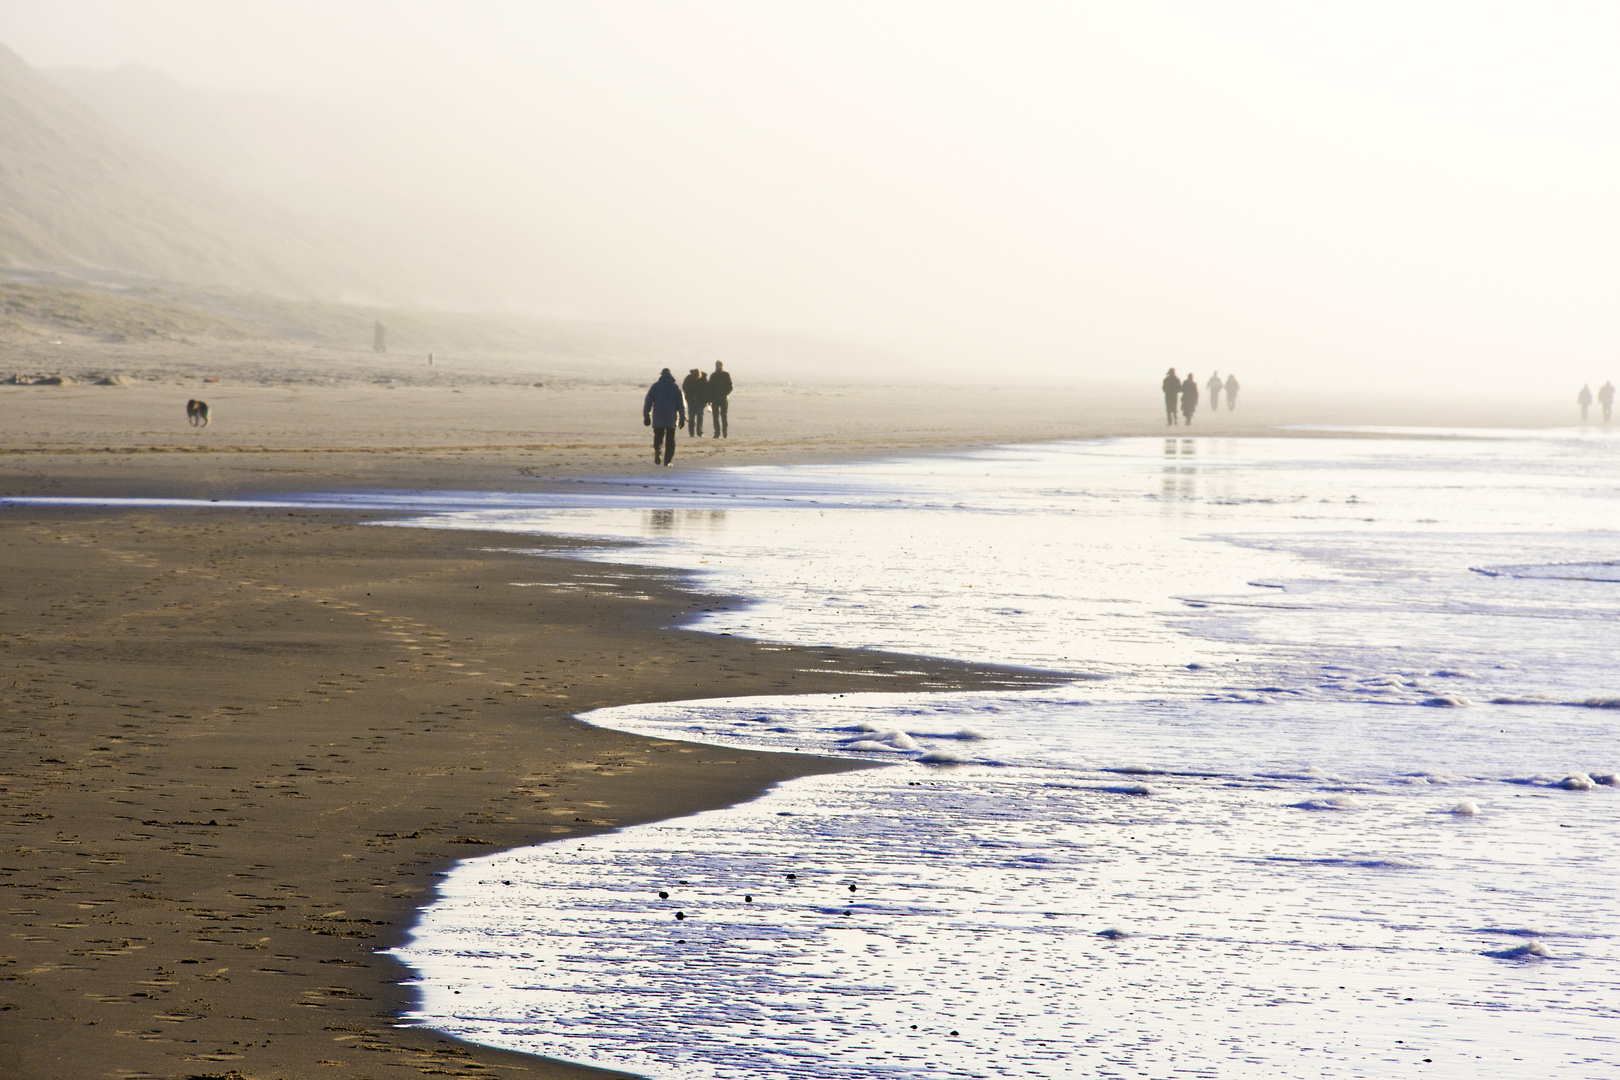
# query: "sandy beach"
[[240, 744], [1179, 791]]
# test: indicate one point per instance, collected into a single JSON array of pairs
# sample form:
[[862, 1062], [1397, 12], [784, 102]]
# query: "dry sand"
[[239, 745]]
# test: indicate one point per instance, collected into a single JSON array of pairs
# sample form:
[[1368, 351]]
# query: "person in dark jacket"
[[719, 390], [1172, 390], [1189, 397], [664, 411], [1231, 393], [696, 388]]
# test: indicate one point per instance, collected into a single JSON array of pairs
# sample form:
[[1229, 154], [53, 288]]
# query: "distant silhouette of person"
[[1189, 398], [1606, 399], [719, 391], [1584, 400], [664, 411], [1215, 387], [696, 388], [1172, 391], [1231, 393]]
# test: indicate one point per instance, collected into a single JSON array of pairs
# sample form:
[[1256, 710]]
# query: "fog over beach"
[[971, 707]]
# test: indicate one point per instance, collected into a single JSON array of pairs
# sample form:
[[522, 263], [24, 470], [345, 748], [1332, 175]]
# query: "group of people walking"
[[670, 405], [1184, 392], [1605, 399]]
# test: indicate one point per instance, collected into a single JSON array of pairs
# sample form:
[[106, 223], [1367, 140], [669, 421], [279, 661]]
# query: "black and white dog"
[[197, 412]]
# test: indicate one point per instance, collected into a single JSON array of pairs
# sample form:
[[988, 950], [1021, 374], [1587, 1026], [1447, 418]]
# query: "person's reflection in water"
[[659, 520], [695, 521], [1180, 481]]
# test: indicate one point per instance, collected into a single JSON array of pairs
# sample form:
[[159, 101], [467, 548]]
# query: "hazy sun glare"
[[1378, 194]]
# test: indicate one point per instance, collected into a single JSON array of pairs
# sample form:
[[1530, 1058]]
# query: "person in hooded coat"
[[696, 388], [1584, 400], [1231, 393], [1606, 399], [1215, 387], [1172, 391], [664, 411], [1189, 397]]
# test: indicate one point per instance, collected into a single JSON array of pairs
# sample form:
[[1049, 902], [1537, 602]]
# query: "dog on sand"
[[197, 412]]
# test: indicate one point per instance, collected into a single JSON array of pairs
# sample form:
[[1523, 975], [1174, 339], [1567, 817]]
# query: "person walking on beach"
[[696, 388], [1172, 390], [1606, 399], [664, 411], [719, 390], [1215, 388], [1584, 400], [1231, 393], [1189, 398]]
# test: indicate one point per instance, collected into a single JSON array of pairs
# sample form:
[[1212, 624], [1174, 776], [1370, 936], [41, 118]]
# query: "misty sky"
[[1307, 192]]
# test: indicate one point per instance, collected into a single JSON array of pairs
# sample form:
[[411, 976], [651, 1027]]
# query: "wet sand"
[[238, 745]]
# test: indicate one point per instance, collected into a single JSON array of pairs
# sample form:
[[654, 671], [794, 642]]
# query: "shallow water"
[[1342, 802], [1109, 889]]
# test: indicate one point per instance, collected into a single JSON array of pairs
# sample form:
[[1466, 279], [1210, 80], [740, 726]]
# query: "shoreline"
[[198, 887], [175, 665], [483, 435]]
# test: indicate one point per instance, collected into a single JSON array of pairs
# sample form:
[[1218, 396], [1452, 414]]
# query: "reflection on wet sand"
[[683, 522], [1180, 482]]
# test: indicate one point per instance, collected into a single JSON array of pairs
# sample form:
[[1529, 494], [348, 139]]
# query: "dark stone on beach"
[[680, 914], [1112, 935], [747, 899], [793, 877], [852, 888], [663, 896], [955, 1033]]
